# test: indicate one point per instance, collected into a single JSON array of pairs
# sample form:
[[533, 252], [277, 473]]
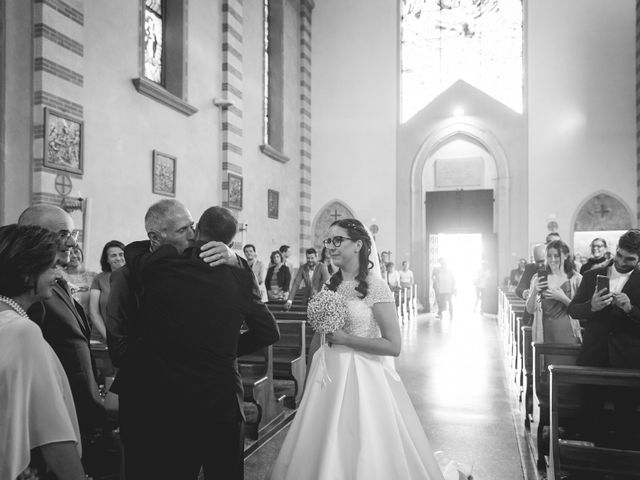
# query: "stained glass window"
[[266, 72], [478, 41], [153, 40]]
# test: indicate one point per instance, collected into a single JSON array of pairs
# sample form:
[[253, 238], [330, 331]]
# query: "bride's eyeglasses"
[[336, 241]]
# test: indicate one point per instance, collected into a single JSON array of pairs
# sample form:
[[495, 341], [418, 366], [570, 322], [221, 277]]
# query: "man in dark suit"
[[314, 275], [611, 336], [64, 323], [185, 363]]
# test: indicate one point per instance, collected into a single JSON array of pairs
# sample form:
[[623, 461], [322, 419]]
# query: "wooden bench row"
[[546, 382]]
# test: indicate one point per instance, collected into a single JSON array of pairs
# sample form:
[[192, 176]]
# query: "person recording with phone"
[[553, 287], [608, 304]]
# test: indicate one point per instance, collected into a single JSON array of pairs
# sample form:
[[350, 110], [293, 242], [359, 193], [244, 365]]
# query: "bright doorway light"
[[463, 252]]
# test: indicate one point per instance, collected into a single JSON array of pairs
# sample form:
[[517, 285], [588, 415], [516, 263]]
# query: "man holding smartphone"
[[611, 337]]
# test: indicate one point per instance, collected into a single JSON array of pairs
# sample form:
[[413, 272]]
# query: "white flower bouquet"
[[327, 311]]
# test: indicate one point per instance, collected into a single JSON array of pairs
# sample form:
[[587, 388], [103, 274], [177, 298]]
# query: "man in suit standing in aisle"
[[190, 337], [166, 222], [611, 336], [313, 273], [65, 325]]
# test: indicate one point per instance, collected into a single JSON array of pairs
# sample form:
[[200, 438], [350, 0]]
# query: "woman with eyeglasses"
[[600, 256], [356, 420], [38, 424], [111, 259], [278, 279]]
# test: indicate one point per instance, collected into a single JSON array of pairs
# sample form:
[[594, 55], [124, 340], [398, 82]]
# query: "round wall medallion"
[[63, 184]]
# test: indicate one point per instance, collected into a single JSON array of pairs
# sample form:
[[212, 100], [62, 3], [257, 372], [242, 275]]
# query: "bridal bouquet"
[[327, 311]]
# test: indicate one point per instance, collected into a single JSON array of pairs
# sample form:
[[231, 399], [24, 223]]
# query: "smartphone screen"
[[602, 281], [542, 276]]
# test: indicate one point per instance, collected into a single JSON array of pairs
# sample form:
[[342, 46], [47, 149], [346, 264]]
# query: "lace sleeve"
[[379, 291]]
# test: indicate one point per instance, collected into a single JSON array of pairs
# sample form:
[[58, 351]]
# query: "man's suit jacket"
[[525, 280], [66, 328], [609, 327], [312, 284], [191, 315], [122, 308]]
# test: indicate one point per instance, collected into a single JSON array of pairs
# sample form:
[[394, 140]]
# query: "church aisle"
[[454, 373]]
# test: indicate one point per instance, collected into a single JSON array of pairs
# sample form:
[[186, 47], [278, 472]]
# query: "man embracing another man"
[[184, 371]]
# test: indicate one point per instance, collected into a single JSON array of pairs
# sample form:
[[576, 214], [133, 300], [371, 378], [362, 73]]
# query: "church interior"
[[459, 129]]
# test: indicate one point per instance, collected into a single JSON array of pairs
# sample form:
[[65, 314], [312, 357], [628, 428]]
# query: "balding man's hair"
[[219, 224], [37, 214], [158, 214]]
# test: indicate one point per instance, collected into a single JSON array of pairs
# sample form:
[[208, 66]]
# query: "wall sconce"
[[223, 103], [243, 227], [72, 205]]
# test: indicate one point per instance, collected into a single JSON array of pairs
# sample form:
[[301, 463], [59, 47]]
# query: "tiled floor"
[[454, 373]]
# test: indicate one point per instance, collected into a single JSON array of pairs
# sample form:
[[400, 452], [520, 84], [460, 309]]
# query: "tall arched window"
[[478, 41]]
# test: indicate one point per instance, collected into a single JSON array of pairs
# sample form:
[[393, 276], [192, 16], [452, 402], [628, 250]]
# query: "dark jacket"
[[608, 327], [191, 315], [122, 309], [283, 277], [525, 280], [66, 328]]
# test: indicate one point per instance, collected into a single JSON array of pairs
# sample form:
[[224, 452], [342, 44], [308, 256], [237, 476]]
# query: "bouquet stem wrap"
[[327, 312]]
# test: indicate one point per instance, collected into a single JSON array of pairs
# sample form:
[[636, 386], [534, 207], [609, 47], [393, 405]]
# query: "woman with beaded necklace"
[[356, 421], [39, 425]]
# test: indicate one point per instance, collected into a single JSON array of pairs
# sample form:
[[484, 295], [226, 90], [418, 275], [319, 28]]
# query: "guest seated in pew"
[[185, 374], [166, 222], [313, 274], [38, 424], [611, 338], [554, 286], [516, 274]]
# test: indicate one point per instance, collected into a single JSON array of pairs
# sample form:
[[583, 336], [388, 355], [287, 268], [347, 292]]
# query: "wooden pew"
[[543, 355], [289, 353], [526, 396], [257, 381], [571, 456]]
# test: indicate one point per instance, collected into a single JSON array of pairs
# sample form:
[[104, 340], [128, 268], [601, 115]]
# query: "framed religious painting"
[[63, 142], [273, 203], [164, 174], [235, 191]]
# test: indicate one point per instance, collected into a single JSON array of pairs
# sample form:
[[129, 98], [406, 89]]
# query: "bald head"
[[55, 219], [51, 217], [539, 253]]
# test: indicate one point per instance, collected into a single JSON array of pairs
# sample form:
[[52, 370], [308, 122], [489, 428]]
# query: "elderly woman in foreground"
[[39, 425]]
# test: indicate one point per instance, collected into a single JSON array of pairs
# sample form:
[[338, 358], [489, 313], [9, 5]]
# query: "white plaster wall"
[[123, 127], [354, 103], [581, 102]]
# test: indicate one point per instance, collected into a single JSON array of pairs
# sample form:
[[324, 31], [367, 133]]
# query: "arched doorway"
[[440, 167]]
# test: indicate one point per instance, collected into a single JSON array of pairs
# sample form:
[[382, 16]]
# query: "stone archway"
[[481, 136], [332, 211]]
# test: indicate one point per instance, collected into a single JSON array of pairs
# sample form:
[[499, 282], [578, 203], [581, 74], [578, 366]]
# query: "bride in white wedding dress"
[[356, 421]]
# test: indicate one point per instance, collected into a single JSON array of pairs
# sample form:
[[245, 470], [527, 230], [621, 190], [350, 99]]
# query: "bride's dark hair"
[[356, 231]]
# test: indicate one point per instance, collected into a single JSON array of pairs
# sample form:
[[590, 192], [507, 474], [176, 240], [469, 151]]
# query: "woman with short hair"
[[38, 417]]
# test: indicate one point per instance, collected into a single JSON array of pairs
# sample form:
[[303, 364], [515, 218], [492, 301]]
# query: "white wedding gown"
[[361, 424]]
